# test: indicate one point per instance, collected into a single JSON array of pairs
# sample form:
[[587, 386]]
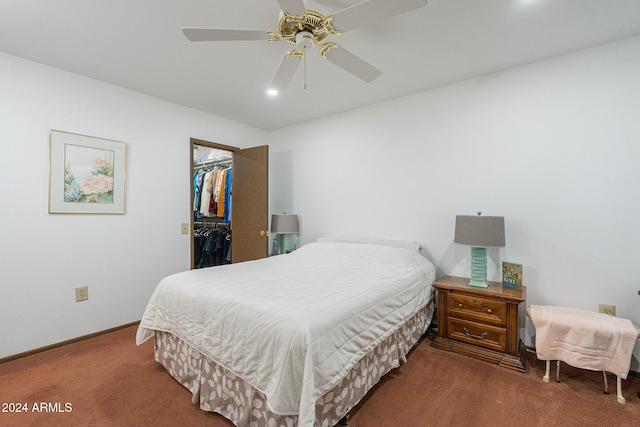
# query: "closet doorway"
[[248, 216]]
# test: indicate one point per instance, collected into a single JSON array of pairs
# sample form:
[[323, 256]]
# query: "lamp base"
[[287, 243], [478, 284], [479, 268]]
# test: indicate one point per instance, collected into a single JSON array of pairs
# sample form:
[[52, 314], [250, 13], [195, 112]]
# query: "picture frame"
[[512, 275], [87, 174]]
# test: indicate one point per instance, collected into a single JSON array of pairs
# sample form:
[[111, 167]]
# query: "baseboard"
[[63, 343]]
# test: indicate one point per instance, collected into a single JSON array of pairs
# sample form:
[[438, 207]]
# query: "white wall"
[[120, 257], [553, 146]]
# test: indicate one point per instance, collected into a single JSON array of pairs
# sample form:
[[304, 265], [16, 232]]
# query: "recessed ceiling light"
[[272, 92]]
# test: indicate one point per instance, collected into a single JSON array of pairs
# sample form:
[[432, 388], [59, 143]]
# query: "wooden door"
[[249, 206]]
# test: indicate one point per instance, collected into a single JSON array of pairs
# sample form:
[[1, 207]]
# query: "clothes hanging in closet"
[[211, 247], [213, 193], [226, 212]]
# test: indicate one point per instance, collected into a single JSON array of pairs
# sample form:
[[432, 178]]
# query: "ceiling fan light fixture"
[[304, 40]]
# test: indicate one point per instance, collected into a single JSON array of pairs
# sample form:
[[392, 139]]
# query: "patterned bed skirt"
[[219, 390]]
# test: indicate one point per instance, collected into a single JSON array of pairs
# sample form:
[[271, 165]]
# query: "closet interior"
[[212, 206]]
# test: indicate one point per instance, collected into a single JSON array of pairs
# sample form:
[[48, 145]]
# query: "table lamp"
[[479, 232], [285, 227]]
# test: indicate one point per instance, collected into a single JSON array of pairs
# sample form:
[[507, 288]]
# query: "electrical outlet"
[[82, 293], [607, 309], [184, 228]]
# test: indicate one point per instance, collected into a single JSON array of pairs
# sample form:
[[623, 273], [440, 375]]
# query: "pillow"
[[406, 244]]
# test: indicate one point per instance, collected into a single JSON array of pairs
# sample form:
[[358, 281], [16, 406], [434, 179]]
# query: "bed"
[[295, 339]]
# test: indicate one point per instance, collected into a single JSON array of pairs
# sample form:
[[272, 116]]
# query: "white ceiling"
[[139, 45]]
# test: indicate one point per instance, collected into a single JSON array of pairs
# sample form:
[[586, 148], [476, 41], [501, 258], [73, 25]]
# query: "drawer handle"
[[480, 337], [488, 310]]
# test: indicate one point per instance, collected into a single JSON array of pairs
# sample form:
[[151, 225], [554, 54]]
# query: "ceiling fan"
[[306, 27]]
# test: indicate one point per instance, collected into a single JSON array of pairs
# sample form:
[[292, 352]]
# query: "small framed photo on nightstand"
[[512, 275]]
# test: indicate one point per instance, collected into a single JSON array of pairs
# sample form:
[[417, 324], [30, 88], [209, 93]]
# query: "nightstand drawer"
[[487, 336], [476, 308], [481, 322]]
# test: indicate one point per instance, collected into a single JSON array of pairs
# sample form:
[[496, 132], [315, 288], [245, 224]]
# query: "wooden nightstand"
[[481, 322]]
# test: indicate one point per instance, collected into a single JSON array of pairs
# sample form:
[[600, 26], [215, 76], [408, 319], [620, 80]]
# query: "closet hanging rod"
[[214, 162], [211, 223]]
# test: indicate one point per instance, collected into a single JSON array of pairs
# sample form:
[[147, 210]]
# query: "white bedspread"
[[293, 325]]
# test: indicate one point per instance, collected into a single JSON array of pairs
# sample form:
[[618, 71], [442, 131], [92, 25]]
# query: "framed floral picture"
[[86, 174]]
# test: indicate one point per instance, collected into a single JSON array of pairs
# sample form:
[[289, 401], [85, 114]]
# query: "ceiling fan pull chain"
[[305, 71]]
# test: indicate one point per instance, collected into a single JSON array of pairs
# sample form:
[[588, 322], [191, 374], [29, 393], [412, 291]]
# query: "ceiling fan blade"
[[214, 34], [287, 68], [370, 11], [294, 7], [353, 64]]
